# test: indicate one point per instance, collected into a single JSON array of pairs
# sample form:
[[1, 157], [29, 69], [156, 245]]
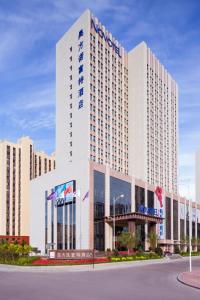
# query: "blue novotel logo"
[[106, 38]]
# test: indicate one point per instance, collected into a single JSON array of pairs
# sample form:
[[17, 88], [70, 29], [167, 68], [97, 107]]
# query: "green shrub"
[[26, 260], [115, 252], [138, 256], [176, 249], [159, 251], [11, 253], [187, 253]]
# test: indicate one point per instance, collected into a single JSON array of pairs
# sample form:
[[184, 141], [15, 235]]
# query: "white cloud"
[[38, 122]]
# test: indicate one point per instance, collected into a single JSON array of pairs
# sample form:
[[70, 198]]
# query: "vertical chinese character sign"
[[80, 69], [158, 193]]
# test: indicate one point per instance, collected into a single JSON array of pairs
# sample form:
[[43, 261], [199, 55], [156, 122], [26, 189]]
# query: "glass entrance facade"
[[99, 210], [120, 195], [66, 226]]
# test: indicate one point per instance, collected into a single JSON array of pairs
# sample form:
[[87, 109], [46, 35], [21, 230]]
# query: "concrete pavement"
[[190, 278]]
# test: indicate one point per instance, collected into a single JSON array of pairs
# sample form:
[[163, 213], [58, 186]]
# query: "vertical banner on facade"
[[198, 215], [193, 214], [159, 196], [182, 211]]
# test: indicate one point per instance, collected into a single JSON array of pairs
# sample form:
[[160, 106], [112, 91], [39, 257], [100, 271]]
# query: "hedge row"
[[142, 256], [193, 253]]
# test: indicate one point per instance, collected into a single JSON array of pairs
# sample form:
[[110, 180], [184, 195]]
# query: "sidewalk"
[[190, 278]]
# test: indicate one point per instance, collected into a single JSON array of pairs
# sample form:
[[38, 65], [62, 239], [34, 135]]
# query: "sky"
[[30, 29]]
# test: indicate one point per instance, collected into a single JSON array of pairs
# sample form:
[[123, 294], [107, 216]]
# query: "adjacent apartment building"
[[19, 164], [116, 148]]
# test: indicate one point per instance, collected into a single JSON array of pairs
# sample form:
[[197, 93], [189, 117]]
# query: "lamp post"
[[190, 234], [187, 183], [114, 201]]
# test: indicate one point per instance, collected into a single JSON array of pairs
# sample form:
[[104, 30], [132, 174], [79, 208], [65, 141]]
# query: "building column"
[[152, 228], [108, 228], [196, 224], [108, 236], [107, 191], [179, 220], [185, 224], [146, 245], [172, 224], [131, 227], [133, 195]]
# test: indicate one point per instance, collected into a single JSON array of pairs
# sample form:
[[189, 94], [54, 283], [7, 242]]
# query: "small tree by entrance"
[[152, 239], [128, 240], [198, 244], [194, 242], [183, 242]]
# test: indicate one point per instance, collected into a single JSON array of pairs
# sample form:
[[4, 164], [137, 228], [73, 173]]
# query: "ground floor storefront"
[[89, 209]]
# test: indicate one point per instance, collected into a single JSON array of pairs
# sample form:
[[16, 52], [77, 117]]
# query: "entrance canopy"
[[135, 216]]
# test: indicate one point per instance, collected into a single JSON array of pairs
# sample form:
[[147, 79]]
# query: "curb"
[[185, 283]]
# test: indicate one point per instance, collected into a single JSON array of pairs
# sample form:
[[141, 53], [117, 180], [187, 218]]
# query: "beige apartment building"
[[153, 126], [19, 164]]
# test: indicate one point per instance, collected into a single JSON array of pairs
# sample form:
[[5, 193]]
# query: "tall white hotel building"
[[116, 141]]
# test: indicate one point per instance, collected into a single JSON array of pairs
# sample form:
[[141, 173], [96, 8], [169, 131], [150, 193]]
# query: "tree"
[[194, 242], [128, 240], [152, 239], [198, 244], [184, 241]]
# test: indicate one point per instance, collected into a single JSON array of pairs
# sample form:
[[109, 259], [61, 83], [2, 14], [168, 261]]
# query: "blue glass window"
[[118, 188], [99, 210]]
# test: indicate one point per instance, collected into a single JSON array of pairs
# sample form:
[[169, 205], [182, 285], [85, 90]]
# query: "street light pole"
[[190, 235], [114, 224], [114, 200], [190, 226]]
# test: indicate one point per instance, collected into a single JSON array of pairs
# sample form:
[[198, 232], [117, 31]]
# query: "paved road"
[[150, 281]]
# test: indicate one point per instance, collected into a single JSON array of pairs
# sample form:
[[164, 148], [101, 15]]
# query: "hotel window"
[[139, 197], [31, 161], [45, 165], [49, 165], [70, 58], [40, 166], [168, 217], [70, 134], [175, 219], [35, 166], [60, 227]]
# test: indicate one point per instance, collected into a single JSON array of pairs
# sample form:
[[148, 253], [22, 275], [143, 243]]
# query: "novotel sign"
[[106, 38]]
